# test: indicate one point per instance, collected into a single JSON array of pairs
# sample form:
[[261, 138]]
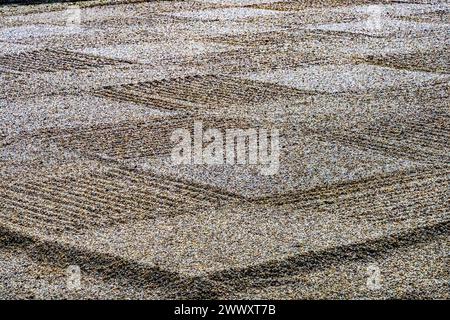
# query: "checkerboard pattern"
[[359, 91]]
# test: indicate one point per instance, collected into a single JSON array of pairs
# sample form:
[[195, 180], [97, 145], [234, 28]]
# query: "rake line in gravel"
[[211, 90], [52, 60], [421, 140], [76, 204], [136, 139], [437, 61]]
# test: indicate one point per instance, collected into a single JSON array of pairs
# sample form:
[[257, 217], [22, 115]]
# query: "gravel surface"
[[93, 205]]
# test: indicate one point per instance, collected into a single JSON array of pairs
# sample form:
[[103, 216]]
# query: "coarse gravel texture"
[[93, 206]]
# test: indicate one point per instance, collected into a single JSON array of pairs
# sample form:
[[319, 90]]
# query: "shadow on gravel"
[[219, 284]]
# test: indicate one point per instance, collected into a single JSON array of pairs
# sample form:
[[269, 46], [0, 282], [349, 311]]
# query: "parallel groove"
[[51, 60]]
